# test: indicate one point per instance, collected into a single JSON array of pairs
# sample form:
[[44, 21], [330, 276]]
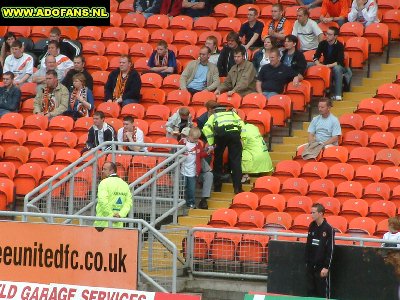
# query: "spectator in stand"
[[10, 95], [196, 8], [279, 27], [162, 60], [132, 134], [323, 131], [179, 120], [307, 30], [251, 30], [212, 43], [241, 78], [292, 57], [171, 8], [272, 78], [226, 60], [202, 120], [334, 11], [364, 12], [39, 77], [79, 67], [261, 57], [52, 100], [147, 7], [200, 74], [5, 51], [123, 84], [393, 234], [333, 53], [100, 132], [67, 48], [81, 100], [64, 64], [309, 4], [19, 63]]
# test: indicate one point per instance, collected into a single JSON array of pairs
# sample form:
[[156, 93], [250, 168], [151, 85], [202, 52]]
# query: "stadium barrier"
[[154, 178], [157, 261]]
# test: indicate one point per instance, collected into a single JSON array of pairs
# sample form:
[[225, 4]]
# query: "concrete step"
[[192, 221], [202, 212], [377, 81], [340, 111], [382, 74], [228, 187], [346, 104], [357, 96], [281, 156], [395, 67], [218, 204], [300, 133], [222, 195], [294, 140], [284, 148], [365, 89], [394, 60]]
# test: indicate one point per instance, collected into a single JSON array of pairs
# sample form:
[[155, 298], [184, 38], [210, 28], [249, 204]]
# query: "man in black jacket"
[[319, 252], [123, 84], [333, 52], [79, 67], [292, 57], [10, 95], [100, 132], [226, 58]]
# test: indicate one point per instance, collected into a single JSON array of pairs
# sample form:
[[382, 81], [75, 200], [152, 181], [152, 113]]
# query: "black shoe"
[[226, 178], [238, 191], [203, 203]]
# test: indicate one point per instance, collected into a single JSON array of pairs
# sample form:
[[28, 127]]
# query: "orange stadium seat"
[[260, 118], [41, 32], [27, 107], [320, 78], [96, 63], [7, 170], [82, 125], [381, 228], [392, 19], [279, 107], [291, 11], [13, 137], [223, 247], [266, 185], [60, 123], [321, 188], [171, 83], [271, 203], [381, 209], [375, 123], [89, 33], [355, 138], [177, 98], [35, 122], [63, 140], [287, 169], [7, 192], [181, 22], [157, 21], [395, 198], [201, 244], [204, 35], [385, 5], [361, 156], [388, 91], [300, 95], [126, 6], [82, 184], [202, 24], [27, 178], [28, 90], [162, 34], [281, 220], [351, 29], [394, 126], [38, 138], [82, 138], [376, 191], [361, 226], [133, 20], [20, 31], [252, 248], [66, 156], [17, 155], [224, 10], [252, 101], [152, 80], [93, 48], [201, 98], [266, 12], [141, 65], [141, 165], [157, 112], [350, 122], [116, 34], [391, 176], [340, 172], [244, 9], [348, 190], [386, 158], [116, 49], [229, 24], [49, 172], [331, 204], [391, 109], [232, 101], [11, 120], [223, 217], [110, 109], [353, 208], [313, 170], [358, 51], [298, 205], [367, 174], [244, 201], [114, 5], [301, 223], [138, 35], [338, 223], [377, 35], [115, 19], [250, 219], [188, 53], [334, 154], [100, 77], [114, 122], [143, 50], [152, 96], [368, 107], [294, 186], [381, 140], [185, 37], [135, 110], [43, 156], [157, 129], [69, 32]]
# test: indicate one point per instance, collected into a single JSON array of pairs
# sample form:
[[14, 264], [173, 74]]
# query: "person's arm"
[[370, 13], [63, 100], [23, 80], [37, 104], [103, 202], [331, 141], [221, 64], [301, 63], [3, 54], [208, 130], [155, 8], [133, 86], [318, 53], [171, 62], [15, 100], [252, 41], [37, 78], [259, 86], [183, 80], [330, 244], [324, 11], [109, 88], [127, 204], [248, 75], [311, 137], [138, 8], [226, 85], [214, 77], [169, 126]]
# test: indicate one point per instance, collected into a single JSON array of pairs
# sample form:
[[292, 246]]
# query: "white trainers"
[[336, 98]]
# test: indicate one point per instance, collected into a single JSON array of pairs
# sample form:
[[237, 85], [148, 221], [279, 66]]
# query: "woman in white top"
[[261, 57], [364, 11], [393, 234]]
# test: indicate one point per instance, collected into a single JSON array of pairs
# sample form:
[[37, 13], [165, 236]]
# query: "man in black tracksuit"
[[319, 252]]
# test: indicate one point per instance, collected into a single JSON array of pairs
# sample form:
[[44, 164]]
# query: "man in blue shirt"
[[162, 60]]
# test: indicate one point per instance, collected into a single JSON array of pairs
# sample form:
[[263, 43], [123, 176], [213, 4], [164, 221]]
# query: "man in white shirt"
[[307, 30], [132, 134], [39, 76], [63, 63], [364, 11], [20, 63]]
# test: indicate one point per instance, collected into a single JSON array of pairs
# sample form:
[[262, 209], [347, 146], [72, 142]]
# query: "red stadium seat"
[[334, 154], [38, 138], [7, 170], [381, 209], [294, 186], [376, 191], [298, 205], [27, 178], [377, 35], [332, 205], [313, 170], [260, 118], [278, 220], [361, 226], [43, 156], [353, 208], [60, 124], [11, 120], [355, 138], [348, 190], [320, 78], [368, 107], [250, 219], [280, 108], [223, 218], [253, 101], [350, 122], [301, 223], [340, 172], [271, 203], [367, 174], [321, 188], [338, 223], [266, 185], [361, 156], [386, 158], [287, 169], [244, 201]]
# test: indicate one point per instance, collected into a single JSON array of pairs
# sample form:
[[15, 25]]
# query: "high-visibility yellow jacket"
[[113, 196], [221, 119]]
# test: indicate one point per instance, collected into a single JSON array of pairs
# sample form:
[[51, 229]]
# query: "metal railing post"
[[176, 190]]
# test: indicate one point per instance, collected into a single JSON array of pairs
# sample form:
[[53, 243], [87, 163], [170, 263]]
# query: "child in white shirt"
[[393, 234]]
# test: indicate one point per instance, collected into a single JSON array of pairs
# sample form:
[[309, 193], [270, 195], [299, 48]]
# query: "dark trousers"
[[232, 141], [317, 286]]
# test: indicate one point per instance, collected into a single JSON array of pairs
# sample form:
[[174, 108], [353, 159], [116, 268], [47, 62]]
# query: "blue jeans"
[[337, 79], [190, 190], [269, 94]]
